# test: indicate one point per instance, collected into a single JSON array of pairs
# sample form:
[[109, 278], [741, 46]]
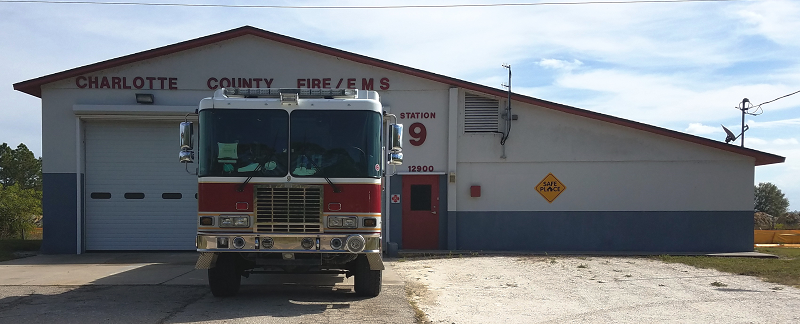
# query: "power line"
[[781, 97], [169, 4], [757, 109]]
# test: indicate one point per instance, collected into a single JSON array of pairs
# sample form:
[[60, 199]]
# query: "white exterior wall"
[[243, 57], [542, 140], [605, 167]]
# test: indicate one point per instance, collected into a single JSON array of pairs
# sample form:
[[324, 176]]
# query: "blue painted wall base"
[[599, 231], [59, 213]]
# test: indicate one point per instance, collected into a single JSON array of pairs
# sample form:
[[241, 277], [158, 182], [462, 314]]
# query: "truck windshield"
[[256, 143], [244, 143], [335, 144]]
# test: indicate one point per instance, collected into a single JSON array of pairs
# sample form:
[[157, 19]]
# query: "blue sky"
[[682, 66]]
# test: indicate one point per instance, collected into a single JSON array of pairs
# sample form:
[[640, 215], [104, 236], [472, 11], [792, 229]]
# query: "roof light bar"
[[286, 93]]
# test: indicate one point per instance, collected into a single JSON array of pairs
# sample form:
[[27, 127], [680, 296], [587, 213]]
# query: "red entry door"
[[420, 212]]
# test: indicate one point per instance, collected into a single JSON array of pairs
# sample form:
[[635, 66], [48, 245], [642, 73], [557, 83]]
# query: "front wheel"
[[224, 278], [367, 282]]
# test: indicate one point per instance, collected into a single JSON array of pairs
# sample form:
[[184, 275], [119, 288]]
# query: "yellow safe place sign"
[[550, 187]]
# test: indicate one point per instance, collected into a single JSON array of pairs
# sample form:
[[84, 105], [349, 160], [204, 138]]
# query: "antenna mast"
[[744, 106], [507, 114]]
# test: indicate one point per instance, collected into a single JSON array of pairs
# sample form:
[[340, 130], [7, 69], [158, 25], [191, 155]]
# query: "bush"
[[19, 210], [790, 220], [763, 221]]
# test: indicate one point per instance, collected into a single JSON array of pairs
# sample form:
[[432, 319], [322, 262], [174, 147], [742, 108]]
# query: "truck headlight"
[[234, 221], [342, 222]]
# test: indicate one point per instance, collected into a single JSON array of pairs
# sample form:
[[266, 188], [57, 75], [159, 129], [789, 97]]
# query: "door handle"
[[433, 212]]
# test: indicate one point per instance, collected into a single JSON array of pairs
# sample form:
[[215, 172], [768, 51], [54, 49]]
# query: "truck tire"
[[367, 282], [225, 278]]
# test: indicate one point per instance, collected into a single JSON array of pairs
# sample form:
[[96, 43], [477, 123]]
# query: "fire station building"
[[564, 179]]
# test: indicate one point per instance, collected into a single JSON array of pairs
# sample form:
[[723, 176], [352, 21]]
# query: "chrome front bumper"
[[255, 242]]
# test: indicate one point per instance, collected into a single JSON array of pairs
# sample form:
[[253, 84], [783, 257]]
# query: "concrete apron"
[[157, 268]]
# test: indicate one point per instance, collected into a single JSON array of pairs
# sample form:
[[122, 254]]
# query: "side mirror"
[[396, 159], [186, 136], [396, 135], [186, 155]]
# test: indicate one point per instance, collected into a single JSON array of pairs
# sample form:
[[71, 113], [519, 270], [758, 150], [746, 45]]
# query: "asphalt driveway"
[[165, 288]]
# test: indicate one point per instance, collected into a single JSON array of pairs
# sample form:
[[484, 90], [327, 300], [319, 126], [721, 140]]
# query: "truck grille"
[[288, 209]]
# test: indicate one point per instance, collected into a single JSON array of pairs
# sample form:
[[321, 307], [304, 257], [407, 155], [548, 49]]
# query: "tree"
[[20, 190], [769, 199], [19, 166]]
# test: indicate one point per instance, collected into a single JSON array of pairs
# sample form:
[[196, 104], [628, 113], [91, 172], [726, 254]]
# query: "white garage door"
[[138, 196]]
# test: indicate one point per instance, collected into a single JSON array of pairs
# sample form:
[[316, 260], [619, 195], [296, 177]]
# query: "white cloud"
[[785, 141], [775, 144], [774, 19], [559, 64], [664, 98], [700, 129], [794, 122]]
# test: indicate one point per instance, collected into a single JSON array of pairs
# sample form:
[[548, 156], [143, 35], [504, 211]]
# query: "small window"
[[134, 195], [171, 195], [101, 195], [420, 197]]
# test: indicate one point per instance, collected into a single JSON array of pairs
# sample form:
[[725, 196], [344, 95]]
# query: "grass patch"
[[414, 291], [8, 247], [783, 270]]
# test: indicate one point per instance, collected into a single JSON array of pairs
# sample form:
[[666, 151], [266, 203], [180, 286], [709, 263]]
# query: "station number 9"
[[418, 134]]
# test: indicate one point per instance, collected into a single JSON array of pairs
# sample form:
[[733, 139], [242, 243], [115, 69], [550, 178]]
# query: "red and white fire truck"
[[290, 180]]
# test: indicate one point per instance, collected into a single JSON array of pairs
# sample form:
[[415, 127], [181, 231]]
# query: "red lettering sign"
[[418, 134], [366, 84], [80, 82], [213, 83], [384, 83], [418, 115], [115, 82]]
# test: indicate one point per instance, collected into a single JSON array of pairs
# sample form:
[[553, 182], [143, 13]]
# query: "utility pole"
[[507, 114], [744, 109]]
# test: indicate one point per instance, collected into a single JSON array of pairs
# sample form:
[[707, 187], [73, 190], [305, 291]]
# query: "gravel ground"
[[540, 289]]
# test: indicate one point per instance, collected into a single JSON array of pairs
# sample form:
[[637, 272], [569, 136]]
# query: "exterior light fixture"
[[145, 98]]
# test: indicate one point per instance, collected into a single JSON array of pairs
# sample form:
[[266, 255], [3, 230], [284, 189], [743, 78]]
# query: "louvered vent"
[[480, 114], [296, 209]]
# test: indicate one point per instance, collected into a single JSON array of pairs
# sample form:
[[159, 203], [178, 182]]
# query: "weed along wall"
[[564, 179]]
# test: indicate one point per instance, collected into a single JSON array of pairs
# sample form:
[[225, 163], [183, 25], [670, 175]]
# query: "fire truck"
[[291, 181]]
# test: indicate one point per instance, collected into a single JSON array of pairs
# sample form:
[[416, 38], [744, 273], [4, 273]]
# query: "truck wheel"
[[367, 282], [224, 278]]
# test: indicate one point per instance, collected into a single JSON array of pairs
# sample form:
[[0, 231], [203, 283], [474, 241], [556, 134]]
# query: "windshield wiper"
[[335, 188], [258, 167], [241, 186]]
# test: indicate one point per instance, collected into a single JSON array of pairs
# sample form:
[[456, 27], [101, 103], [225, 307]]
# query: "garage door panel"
[[137, 158]]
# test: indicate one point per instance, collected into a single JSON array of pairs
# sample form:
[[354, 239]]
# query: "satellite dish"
[[730, 137]]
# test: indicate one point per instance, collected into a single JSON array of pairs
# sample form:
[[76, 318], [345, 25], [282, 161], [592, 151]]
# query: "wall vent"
[[481, 114]]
